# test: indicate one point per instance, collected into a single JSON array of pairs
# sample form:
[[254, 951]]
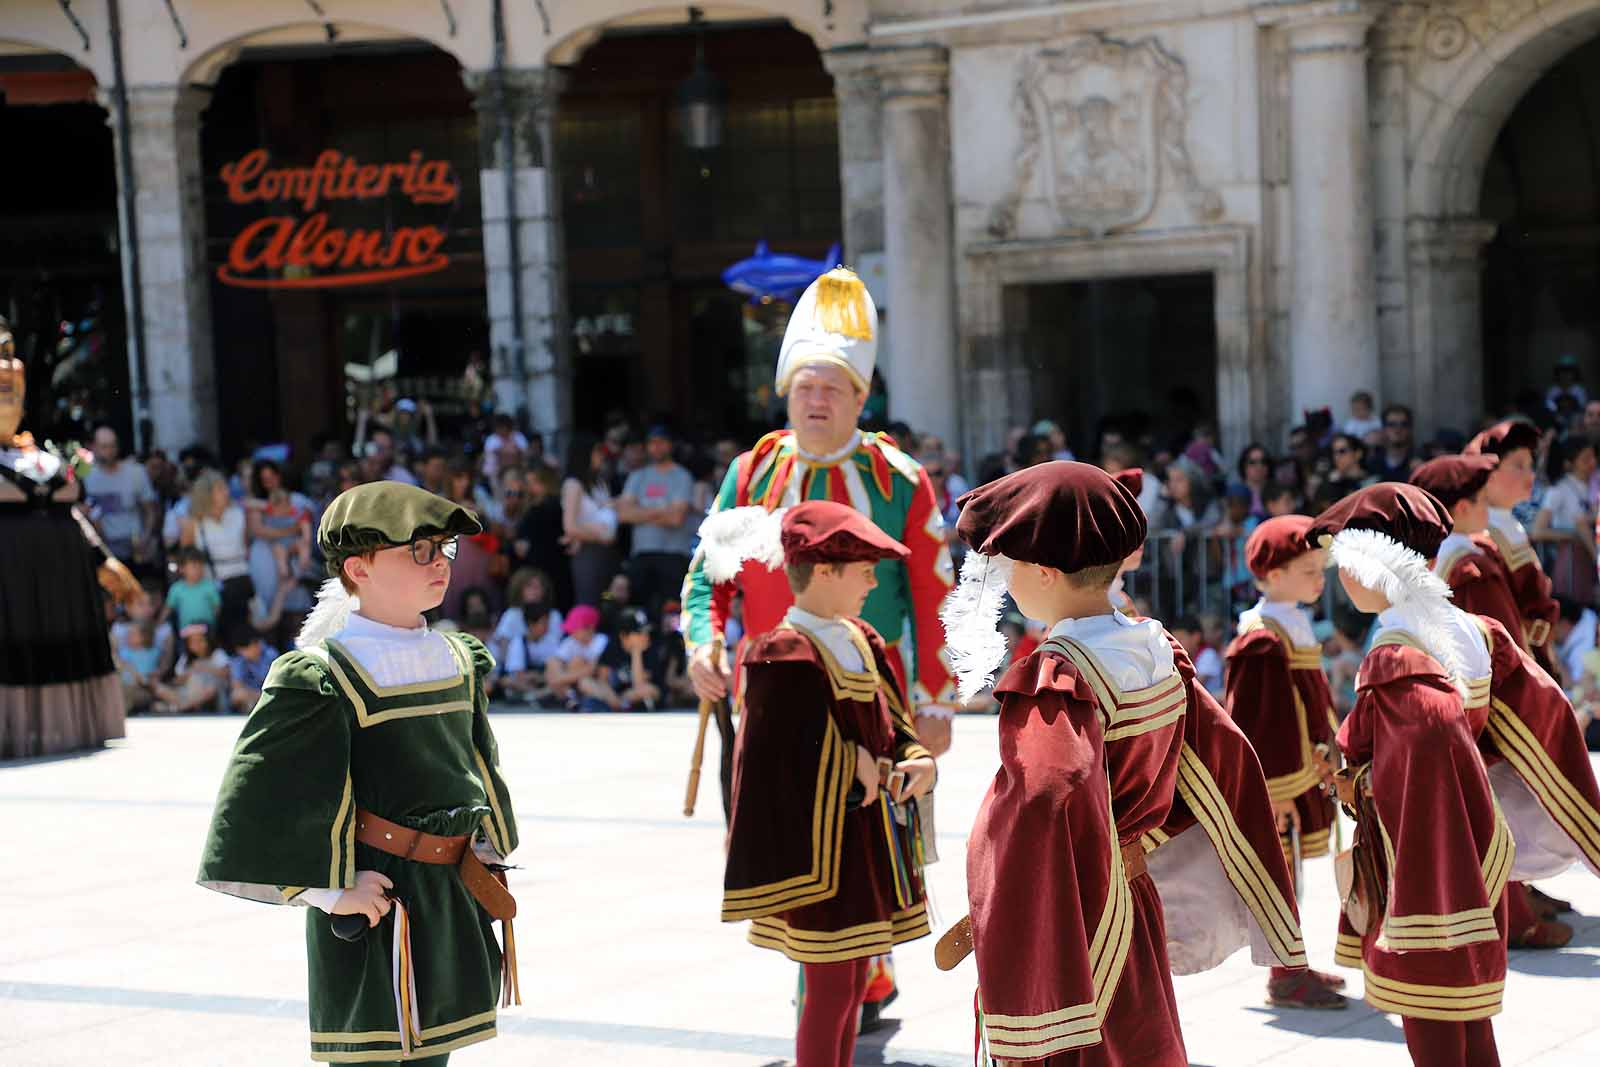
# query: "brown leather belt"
[[1133, 860], [487, 887]]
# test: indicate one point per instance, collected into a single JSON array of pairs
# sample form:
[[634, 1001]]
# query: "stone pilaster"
[[1333, 341], [859, 92], [174, 282], [1445, 262], [1393, 47], [918, 216], [532, 365]]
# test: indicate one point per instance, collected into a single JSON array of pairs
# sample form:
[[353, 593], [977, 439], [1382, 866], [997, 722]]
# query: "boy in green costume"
[[366, 784]]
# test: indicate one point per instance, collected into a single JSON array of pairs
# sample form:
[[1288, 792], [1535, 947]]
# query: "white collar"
[[833, 633], [1437, 622], [1450, 545], [1503, 520], [1137, 654], [831, 457], [1294, 619], [358, 625]]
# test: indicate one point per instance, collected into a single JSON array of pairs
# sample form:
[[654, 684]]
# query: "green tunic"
[[324, 740]]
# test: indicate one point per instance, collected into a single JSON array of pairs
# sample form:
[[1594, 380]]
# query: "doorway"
[[1137, 353]]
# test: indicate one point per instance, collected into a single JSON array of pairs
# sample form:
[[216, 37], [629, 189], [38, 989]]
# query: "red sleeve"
[[1532, 727], [1262, 702], [929, 575], [1051, 911]]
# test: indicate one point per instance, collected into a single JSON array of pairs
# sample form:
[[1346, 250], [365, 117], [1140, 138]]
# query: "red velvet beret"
[[1406, 513], [1455, 478], [1070, 516], [1504, 438], [822, 531], [1276, 543], [1131, 479]]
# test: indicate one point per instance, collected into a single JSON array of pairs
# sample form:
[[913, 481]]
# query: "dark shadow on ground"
[[1358, 1016]]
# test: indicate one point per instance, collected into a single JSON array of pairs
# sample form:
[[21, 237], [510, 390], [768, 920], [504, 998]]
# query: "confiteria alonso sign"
[[302, 249]]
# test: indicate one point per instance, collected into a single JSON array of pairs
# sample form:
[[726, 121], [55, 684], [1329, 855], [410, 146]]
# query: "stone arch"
[[1473, 92], [206, 65], [574, 27]]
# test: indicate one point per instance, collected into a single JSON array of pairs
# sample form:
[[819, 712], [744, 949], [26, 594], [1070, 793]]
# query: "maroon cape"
[[1532, 728], [1071, 954], [1439, 950], [817, 879], [1222, 788], [1279, 697]]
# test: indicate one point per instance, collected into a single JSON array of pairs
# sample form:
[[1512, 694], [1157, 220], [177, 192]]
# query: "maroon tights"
[[1436, 1044], [827, 1035]]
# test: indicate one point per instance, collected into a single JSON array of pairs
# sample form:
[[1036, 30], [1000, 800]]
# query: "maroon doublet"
[[1072, 963], [818, 880], [1438, 952]]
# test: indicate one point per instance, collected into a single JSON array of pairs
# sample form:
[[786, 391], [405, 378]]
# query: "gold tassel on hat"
[[842, 305]]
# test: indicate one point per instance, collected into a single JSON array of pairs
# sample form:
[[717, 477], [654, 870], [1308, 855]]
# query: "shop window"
[[599, 160]]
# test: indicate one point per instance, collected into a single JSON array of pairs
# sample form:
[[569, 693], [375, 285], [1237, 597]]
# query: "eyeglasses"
[[1342, 450], [1257, 461], [1397, 424], [425, 550]]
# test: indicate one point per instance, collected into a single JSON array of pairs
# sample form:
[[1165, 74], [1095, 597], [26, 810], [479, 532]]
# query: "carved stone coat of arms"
[[1102, 122]]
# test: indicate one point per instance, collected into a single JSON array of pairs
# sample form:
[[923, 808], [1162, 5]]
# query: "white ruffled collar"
[[1137, 654], [358, 625], [1294, 619], [1503, 520]]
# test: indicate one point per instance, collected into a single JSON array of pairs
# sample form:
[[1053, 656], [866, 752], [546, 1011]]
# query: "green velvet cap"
[[385, 514]]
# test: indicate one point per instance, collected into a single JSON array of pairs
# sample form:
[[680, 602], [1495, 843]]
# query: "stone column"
[[1391, 56], [529, 356], [175, 283], [859, 94], [1333, 336], [920, 366], [1446, 320]]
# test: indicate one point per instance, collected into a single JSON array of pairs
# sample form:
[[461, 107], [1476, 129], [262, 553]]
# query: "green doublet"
[[324, 740]]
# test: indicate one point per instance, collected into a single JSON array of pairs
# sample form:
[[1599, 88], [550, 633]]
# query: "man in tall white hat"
[[824, 372]]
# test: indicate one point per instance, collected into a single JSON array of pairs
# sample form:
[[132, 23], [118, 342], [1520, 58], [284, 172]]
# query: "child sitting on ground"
[[200, 680]]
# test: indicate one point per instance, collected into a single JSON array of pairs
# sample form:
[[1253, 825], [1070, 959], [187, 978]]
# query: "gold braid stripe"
[[1560, 798]]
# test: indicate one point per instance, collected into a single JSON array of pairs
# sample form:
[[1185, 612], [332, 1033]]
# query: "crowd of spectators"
[[574, 582]]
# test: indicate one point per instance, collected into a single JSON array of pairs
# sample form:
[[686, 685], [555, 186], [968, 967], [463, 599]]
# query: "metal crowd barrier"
[[1206, 576]]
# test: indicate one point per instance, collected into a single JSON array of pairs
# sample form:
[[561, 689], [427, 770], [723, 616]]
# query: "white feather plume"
[[329, 616], [732, 537], [971, 617], [1404, 577]]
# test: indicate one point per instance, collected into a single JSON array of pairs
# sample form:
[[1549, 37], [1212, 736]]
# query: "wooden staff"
[[694, 761], [706, 708]]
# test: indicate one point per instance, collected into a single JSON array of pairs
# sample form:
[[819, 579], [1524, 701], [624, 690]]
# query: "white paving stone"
[[109, 953]]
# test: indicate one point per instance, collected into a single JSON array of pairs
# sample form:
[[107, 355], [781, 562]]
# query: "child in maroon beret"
[[1277, 694], [1423, 888], [1470, 562], [824, 841], [1067, 926]]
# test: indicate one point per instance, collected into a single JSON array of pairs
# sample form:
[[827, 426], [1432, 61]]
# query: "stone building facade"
[[1314, 171]]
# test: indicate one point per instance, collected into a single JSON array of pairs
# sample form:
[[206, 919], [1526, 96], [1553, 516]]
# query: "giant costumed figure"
[[824, 370], [58, 687]]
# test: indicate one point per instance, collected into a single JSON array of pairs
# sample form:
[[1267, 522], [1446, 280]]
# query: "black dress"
[[58, 685]]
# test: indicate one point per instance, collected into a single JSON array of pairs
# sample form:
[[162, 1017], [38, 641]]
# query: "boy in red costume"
[[1067, 927], [1533, 747], [1278, 695], [821, 854], [1424, 917]]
